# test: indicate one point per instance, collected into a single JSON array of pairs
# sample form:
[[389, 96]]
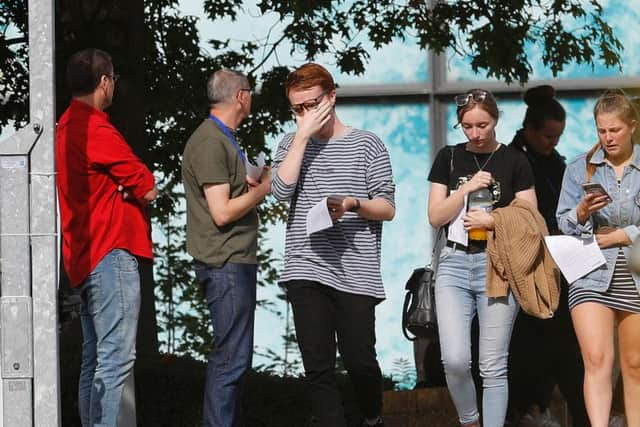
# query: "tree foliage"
[[160, 54], [14, 86]]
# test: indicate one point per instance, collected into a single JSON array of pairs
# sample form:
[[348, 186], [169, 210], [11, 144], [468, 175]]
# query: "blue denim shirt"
[[622, 212]]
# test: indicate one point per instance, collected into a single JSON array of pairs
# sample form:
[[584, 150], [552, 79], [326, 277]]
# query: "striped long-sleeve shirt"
[[347, 255]]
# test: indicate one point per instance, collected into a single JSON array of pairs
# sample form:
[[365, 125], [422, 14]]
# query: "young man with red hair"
[[332, 277]]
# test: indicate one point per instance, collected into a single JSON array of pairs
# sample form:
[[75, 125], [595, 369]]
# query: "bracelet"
[[356, 207]]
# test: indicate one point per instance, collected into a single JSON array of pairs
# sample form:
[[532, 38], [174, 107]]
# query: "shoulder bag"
[[419, 310]]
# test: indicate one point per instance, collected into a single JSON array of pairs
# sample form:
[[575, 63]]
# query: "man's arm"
[[108, 150], [146, 199], [225, 210]]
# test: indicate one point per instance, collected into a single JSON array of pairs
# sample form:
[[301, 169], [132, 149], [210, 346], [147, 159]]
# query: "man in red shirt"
[[103, 189]]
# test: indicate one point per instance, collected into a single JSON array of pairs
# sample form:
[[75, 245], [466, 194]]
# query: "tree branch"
[[266, 57], [15, 40]]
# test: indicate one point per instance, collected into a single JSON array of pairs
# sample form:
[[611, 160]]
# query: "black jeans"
[[321, 314]]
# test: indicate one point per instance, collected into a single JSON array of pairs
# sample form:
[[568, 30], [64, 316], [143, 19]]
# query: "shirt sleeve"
[[523, 178], [379, 178], [279, 189], [209, 162], [107, 150], [441, 167], [570, 195]]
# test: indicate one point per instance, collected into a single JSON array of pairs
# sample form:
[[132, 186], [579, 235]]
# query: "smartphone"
[[595, 188]]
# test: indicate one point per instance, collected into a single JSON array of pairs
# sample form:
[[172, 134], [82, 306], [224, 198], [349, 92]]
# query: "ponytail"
[[591, 168]]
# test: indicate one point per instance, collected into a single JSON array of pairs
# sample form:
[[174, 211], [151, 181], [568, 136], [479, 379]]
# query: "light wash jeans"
[[109, 319], [460, 294], [231, 297]]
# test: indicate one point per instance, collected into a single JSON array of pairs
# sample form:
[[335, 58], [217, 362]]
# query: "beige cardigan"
[[518, 259]]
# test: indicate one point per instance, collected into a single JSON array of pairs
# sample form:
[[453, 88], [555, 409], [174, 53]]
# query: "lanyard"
[[229, 135]]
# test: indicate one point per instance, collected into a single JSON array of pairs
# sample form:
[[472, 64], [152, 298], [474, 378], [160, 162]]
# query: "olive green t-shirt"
[[210, 158]]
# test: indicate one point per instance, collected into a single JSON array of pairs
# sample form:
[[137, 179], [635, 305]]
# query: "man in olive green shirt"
[[222, 228]]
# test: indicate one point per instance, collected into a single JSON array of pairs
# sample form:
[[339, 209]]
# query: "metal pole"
[[44, 262], [28, 314]]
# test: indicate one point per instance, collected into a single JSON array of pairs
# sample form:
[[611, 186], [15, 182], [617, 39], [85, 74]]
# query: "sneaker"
[[379, 423], [544, 419]]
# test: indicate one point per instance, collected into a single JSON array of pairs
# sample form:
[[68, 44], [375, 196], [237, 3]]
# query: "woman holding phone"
[[610, 294], [483, 173]]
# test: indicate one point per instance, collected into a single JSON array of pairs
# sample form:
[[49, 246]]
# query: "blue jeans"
[[109, 319], [231, 297], [460, 294]]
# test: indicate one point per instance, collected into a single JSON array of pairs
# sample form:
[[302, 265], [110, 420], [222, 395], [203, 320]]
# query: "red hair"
[[308, 76]]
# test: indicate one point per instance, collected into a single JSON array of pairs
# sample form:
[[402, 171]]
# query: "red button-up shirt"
[[92, 159]]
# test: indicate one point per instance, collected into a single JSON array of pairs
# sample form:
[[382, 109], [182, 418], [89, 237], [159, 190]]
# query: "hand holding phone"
[[595, 188]]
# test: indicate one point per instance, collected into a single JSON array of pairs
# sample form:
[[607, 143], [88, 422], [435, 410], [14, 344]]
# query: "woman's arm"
[[478, 218], [529, 195], [442, 209], [569, 221], [608, 237]]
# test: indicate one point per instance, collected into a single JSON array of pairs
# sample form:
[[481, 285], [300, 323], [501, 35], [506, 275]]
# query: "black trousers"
[[324, 317], [544, 353]]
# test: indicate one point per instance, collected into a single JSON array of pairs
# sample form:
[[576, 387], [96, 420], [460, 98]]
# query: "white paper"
[[318, 217], [255, 171], [457, 233], [575, 257]]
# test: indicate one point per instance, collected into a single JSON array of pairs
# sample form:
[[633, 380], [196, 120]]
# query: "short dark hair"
[[86, 68]]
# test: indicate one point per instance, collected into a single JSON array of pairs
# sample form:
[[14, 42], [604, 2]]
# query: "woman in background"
[[545, 352], [479, 169], [611, 292]]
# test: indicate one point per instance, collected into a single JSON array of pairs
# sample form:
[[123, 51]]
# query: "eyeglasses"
[[307, 105], [114, 77], [475, 97], [247, 90]]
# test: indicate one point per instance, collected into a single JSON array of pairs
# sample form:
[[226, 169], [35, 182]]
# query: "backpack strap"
[[405, 309], [440, 233]]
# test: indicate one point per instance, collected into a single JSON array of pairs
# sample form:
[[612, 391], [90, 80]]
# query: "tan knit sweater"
[[518, 259]]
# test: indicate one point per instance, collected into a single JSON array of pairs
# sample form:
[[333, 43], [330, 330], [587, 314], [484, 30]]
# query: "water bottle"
[[481, 199]]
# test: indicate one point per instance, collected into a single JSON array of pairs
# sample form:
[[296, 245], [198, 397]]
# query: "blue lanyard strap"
[[229, 135]]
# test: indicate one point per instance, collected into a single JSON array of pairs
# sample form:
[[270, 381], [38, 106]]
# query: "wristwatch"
[[356, 208]]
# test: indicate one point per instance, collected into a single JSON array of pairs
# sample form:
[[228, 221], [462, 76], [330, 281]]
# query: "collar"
[[599, 157], [221, 124], [520, 142], [87, 109]]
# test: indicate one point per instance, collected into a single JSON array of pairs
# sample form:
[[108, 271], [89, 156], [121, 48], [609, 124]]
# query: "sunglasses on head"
[[307, 105], [475, 97]]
